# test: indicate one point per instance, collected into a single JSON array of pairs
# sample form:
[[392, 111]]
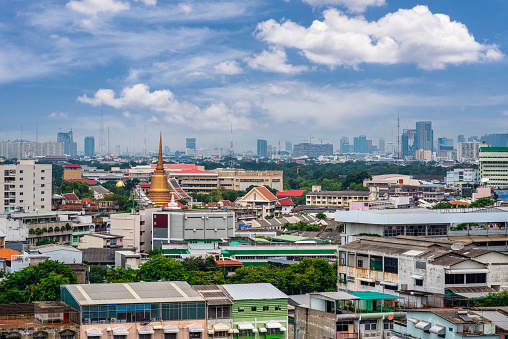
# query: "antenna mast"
[[398, 137], [108, 142], [231, 151], [101, 136]]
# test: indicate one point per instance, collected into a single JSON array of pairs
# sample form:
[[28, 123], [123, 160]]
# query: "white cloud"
[[273, 61], [352, 5], [58, 115], [93, 7], [184, 8], [213, 116], [148, 2], [127, 114], [416, 35], [228, 67]]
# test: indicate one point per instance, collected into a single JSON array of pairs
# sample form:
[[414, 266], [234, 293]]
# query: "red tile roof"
[[144, 184], [86, 201], [72, 166], [266, 193], [223, 263], [286, 202], [226, 202], [292, 193], [71, 196], [87, 181], [8, 253]]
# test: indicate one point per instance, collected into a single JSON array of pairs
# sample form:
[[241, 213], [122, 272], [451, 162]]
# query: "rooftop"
[[139, 292], [212, 294], [260, 291], [341, 193], [291, 193]]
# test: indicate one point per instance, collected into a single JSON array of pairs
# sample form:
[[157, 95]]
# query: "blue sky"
[[277, 69]]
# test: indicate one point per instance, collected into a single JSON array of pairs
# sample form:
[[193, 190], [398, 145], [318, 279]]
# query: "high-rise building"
[[461, 138], [381, 147], [497, 140], [29, 149], [468, 151], [89, 146], [492, 166], [424, 136], [27, 187], [361, 145], [262, 148], [344, 145], [408, 140], [289, 146], [190, 143], [445, 147], [312, 150], [70, 147]]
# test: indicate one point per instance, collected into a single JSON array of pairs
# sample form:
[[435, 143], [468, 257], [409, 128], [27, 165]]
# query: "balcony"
[[346, 335]]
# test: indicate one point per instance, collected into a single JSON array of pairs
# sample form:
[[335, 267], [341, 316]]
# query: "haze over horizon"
[[274, 70]]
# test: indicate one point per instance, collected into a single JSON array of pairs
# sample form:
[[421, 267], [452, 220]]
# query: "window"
[[418, 282], [42, 171], [43, 185], [393, 288], [119, 337], [42, 192], [478, 278], [20, 179], [20, 193], [387, 324], [343, 326], [454, 278], [367, 283], [195, 335], [391, 265], [421, 265], [278, 308], [272, 331], [20, 171], [244, 333], [21, 201], [360, 263], [144, 336], [43, 178], [241, 309], [266, 308], [253, 308], [369, 325], [20, 186], [42, 199]]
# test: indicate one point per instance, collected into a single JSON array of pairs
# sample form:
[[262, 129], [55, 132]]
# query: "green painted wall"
[[249, 316]]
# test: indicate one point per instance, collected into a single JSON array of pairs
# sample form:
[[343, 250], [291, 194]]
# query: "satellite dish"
[[485, 180], [457, 246]]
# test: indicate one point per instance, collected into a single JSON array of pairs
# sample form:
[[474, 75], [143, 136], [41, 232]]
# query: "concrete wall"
[[311, 324], [127, 225], [89, 241], [67, 257], [14, 230]]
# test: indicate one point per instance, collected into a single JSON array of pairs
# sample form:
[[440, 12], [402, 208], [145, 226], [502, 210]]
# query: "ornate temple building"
[[159, 192]]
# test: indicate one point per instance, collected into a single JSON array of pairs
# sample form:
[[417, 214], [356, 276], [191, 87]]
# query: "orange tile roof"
[[266, 193], [8, 253], [229, 263]]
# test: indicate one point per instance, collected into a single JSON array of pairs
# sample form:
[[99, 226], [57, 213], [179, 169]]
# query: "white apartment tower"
[[468, 151], [26, 187]]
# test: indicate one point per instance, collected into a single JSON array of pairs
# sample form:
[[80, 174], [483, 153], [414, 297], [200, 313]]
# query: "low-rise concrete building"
[[100, 240], [336, 198]]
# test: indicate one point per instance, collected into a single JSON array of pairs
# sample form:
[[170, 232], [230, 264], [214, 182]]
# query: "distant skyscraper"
[[361, 145], [190, 143], [408, 141], [461, 138], [344, 145], [312, 150], [289, 146], [381, 147], [424, 136], [89, 146], [70, 147], [445, 147], [262, 148]]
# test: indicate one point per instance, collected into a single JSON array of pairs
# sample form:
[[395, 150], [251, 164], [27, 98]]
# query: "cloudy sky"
[[274, 69]]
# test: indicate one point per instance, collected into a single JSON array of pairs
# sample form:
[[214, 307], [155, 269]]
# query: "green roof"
[[373, 295], [260, 240], [493, 149]]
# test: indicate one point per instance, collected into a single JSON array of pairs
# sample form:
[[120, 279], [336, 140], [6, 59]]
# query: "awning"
[[195, 328], [395, 337], [439, 330], [254, 330], [211, 332], [120, 331], [171, 329], [466, 271], [94, 332], [236, 331], [417, 277], [389, 283], [221, 327], [145, 330], [273, 324], [245, 326], [413, 320], [423, 325], [262, 329], [366, 279], [282, 329]]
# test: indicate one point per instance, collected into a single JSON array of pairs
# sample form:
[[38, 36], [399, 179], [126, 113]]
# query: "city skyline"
[[258, 68]]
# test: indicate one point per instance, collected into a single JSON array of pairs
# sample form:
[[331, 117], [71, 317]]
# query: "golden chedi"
[[159, 188]]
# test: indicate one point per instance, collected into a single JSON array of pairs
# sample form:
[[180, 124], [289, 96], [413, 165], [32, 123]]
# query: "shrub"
[[31, 231], [38, 231], [57, 229], [68, 227], [44, 230], [50, 229]]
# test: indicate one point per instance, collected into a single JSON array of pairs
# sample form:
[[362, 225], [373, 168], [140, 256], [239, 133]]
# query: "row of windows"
[[263, 257], [265, 308], [472, 278]]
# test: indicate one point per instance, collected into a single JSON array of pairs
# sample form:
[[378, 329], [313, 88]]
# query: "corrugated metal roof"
[[496, 317], [140, 292], [373, 295], [260, 291]]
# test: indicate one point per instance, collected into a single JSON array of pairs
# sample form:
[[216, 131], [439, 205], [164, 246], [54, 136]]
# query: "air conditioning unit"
[[403, 287], [113, 320], [155, 319], [102, 321], [86, 321]]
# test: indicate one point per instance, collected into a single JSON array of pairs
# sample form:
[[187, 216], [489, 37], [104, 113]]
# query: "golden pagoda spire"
[[159, 188]]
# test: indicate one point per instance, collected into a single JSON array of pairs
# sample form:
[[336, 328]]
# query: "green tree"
[[120, 275], [158, 267], [320, 215], [44, 241], [98, 274], [81, 189], [48, 288]]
